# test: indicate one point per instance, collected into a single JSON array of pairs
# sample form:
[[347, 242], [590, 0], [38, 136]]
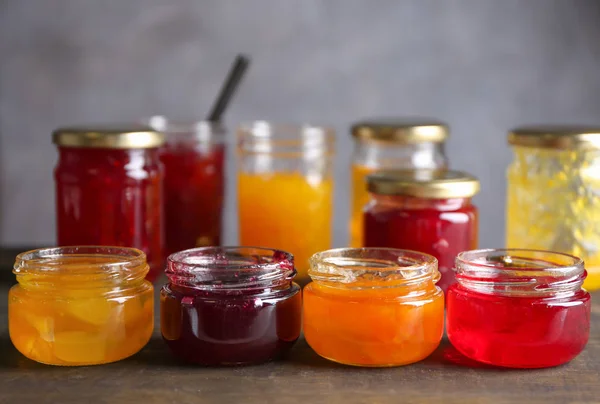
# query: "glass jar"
[[230, 305], [553, 188], [423, 210], [373, 306], [80, 305], [193, 159], [109, 189], [518, 308], [397, 144], [285, 188]]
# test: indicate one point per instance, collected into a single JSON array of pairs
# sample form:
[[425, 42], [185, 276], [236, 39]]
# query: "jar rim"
[[373, 267], [202, 130], [562, 137], [115, 136], [401, 130]]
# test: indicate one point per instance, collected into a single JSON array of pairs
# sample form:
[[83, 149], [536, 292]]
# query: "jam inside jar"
[[426, 210], [230, 305], [518, 308], [109, 189]]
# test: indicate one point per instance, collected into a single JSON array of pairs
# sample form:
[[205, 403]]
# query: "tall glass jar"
[[193, 158], [423, 210], [391, 144], [518, 308], [109, 189], [80, 305], [230, 305], [285, 188], [553, 188], [373, 307]]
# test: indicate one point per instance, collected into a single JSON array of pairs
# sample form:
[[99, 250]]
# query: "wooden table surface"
[[153, 376]]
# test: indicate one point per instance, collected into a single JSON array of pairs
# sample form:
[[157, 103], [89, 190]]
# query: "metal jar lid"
[[429, 184], [108, 137], [404, 131], [556, 137]]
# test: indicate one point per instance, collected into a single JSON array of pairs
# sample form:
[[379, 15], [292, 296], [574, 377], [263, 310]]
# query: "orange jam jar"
[[373, 307], [80, 305]]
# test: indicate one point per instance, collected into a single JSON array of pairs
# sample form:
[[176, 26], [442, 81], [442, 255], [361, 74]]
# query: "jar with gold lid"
[[391, 144], [109, 189], [552, 196], [423, 210]]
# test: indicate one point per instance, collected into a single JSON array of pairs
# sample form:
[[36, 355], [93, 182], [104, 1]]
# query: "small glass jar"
[[80, 305], [193, 159], [230, 305], [285, 188], [552, 195], [518, 308], [373, 307], [109, 189], [391, 144], [424, 210]]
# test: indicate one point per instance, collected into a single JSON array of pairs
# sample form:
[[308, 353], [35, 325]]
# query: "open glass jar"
[[80, 305], [518, 308], [391, 144], [373, 306], [230, 305]]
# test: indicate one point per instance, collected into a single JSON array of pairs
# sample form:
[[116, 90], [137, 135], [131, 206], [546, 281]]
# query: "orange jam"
[[80, 305], [373, 306]]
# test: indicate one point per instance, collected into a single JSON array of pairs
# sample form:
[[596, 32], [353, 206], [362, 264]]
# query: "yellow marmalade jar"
[[80, 305], [554, 193]]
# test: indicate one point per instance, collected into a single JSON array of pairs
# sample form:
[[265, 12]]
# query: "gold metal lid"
[[556, 137], [430, 184], [108, 137], [407, 130]]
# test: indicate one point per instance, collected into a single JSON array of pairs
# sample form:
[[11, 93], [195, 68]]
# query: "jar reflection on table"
[[423, 210], [230, 305], [285, 188], [109, 189], [552, 195], [373, 307], [391, 144], [193, 159], [518, 308], [80, 305]]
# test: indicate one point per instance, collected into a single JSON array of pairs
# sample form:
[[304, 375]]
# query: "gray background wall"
[[481, 65]]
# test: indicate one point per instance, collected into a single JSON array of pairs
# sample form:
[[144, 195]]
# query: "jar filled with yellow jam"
[[391, 144], [553, 196], [80, 305]]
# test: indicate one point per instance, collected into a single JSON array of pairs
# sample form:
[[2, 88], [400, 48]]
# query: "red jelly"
[[429, 211], [109, 189], [193, 158], [518, 308], [230, 305]]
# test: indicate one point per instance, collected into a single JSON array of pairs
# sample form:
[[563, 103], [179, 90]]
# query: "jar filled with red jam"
[[518, 308], [109, 189], [230, 305], [423, 210], [193, 158]]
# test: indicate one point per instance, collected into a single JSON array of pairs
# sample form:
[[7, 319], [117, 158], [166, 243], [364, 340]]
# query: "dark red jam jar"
[[230, 305], [518, 308], [429, 211], [193, 158], [109, 189]]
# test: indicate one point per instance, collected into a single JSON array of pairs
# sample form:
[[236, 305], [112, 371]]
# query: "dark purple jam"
[[230, 305]]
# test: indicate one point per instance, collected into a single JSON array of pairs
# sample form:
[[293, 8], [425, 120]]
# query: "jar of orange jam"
[[373, 306], [80, 305]]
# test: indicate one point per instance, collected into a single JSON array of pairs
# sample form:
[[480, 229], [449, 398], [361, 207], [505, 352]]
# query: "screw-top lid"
[[556, 137], [406, 130], [108, 137], [430, 184]]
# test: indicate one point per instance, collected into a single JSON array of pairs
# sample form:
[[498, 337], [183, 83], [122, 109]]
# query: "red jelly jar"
[[109, 189], [193, 158], [230, 305], [429, 211], [518, 308]]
